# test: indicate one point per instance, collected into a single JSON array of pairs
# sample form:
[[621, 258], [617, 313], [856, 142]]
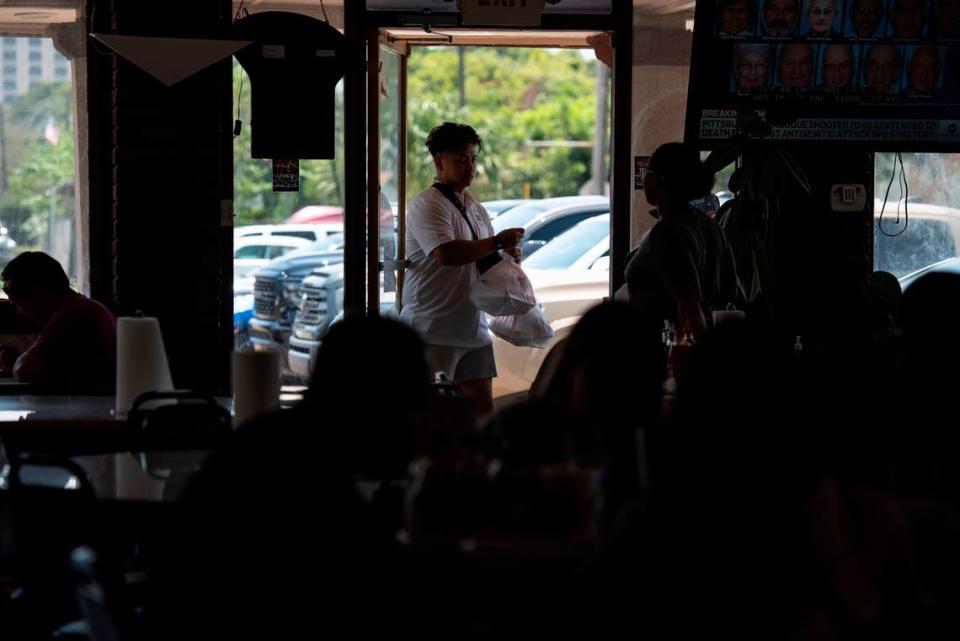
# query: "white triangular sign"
[[170, 60]]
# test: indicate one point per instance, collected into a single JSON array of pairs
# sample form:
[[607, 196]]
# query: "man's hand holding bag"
[[503, 290]]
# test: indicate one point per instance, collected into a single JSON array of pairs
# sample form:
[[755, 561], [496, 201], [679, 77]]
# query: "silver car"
[[569, 275], [544, 220]]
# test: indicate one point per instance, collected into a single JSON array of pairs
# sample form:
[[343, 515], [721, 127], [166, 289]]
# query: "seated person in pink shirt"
[[76, 348]]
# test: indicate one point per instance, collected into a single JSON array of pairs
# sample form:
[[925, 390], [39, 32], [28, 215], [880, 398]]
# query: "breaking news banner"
[[832, 76]]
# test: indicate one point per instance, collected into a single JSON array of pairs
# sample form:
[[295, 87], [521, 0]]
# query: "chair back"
[[97, 597], [51, 504], [177, 430]]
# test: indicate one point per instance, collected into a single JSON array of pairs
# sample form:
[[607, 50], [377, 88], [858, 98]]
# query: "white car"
[[308, 231], [253, 252], [543, 220], [570, 274]]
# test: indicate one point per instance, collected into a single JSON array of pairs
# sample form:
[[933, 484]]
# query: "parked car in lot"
[[496, 207], [310, 231], [321, 305], [276, 292], [543, 220], [242, 311], [576, 249], [253, 252], [321, 298], [569, 275], [948, 266], [912, 237], [326, 214]]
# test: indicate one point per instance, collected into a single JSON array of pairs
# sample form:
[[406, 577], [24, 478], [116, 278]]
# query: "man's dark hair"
[[452, 136], [31, 271]]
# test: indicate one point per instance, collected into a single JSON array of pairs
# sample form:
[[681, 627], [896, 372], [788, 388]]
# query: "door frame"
[[364, 29]]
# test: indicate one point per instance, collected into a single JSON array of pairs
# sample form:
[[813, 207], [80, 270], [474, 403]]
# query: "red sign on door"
[[286, 175]]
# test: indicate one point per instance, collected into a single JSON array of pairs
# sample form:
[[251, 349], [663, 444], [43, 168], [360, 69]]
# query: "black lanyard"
[[487, 261]]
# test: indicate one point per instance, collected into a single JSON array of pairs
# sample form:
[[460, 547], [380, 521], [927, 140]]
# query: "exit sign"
[[503, 13]]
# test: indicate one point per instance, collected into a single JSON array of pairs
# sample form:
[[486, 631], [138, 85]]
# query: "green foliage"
[[40, 169], [43, 101], [513, 96]]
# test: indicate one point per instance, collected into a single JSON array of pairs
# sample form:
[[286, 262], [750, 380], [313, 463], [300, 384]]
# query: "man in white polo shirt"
[[449, 242]]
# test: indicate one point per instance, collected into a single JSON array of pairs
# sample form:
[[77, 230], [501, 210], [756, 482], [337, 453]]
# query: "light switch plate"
[[848, 197]]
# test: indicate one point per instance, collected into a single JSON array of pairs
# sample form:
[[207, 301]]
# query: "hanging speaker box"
[[294, 65]]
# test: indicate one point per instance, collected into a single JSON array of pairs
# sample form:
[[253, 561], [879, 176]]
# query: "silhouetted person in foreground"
[[76, 349], [748, 532], [922, 405], [276, 539], [928, 378], [605, 387], [608, 384], [592, 417]]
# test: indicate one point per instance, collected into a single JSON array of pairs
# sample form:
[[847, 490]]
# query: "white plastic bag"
[[525, 330], [503, 290]]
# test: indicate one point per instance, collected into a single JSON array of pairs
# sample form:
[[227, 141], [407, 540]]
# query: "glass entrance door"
[[385, 179], [392, 153]]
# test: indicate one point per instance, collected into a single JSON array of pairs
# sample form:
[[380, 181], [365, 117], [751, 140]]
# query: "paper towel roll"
[[256, 384], [141, 361]]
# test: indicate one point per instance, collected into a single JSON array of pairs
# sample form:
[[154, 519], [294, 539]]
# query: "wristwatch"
[[497, 243]]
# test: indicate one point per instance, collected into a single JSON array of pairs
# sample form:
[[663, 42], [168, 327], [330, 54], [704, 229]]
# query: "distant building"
[[24, 61]]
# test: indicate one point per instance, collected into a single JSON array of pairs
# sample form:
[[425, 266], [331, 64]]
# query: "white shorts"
[[462, 363]]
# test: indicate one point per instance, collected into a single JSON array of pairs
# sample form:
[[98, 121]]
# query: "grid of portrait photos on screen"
[[878, 47]]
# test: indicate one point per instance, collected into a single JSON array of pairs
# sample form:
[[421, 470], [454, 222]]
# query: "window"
[[38, 205], [309, 235], [278, 251], [250, 251], [923, 229], [60, 72], [567, 248], [602, 263], [556, 227], [919, 241], [518, 216]]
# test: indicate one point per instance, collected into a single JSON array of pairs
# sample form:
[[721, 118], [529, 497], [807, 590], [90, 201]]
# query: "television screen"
[[880, 73]]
